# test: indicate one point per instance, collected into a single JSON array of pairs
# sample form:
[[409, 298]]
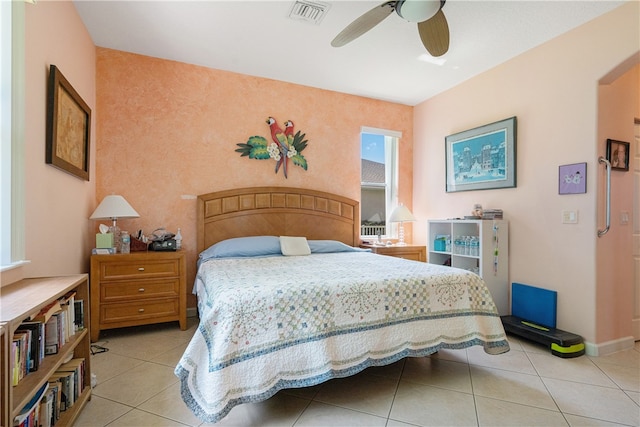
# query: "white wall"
[[553, 91]]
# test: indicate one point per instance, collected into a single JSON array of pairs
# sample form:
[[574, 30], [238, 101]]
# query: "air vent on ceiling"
[[308, 11]]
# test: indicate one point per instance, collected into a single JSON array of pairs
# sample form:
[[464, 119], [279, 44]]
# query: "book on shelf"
[[16, 346], [492, 214], [30, 414], [79, 314], [15, 354], [75, 366], [21, 349], [51, 335], [66, 389], [46, 409], [55, 386], [45, 313], [36, 353], [58, 329], [67, 304], [62, 328]]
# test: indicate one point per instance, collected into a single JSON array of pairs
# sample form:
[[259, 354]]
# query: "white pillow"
[[294, 246]]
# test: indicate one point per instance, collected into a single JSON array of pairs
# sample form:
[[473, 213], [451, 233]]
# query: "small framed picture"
[[618, 154], [572, 179]]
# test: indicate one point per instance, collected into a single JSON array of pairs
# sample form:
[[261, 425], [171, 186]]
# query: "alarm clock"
[[165, 245]]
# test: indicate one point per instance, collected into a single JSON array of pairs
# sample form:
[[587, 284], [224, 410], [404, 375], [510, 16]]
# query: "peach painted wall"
[[168, 129], [619, 104], [553, 91], [58, 236]]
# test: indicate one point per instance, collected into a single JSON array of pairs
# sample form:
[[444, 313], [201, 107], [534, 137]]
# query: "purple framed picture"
[[572, 179]]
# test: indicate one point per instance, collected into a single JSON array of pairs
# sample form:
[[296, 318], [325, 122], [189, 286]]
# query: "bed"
[[286, 299]]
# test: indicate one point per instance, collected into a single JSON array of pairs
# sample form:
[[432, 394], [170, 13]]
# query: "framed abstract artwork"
[[68, 127]]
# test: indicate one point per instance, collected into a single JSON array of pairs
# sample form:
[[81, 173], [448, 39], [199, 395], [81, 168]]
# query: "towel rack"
[[608, 197]]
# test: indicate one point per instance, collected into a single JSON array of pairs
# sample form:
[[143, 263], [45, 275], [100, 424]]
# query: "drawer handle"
[[140, 268], [141, 310], [141, 290]]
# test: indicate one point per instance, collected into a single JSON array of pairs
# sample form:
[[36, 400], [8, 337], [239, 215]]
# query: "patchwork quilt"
[[275, 322]]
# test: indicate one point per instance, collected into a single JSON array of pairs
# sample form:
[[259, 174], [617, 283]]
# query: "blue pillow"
[[330, 246], [243, 247]]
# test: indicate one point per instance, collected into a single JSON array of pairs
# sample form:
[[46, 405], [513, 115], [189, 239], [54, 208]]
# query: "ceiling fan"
[[432, 25]]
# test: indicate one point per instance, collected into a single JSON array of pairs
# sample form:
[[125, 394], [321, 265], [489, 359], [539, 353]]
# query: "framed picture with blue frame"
[[482, 158]]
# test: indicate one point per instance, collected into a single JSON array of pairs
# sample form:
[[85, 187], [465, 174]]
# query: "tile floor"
[[524, 387]]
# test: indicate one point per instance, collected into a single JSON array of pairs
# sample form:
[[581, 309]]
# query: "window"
[[379, 181], [12, 136]]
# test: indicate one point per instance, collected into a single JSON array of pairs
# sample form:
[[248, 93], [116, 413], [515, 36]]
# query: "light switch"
[[624, 218], [569, 217]]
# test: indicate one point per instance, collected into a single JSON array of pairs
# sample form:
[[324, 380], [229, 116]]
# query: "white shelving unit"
[[491, 261]]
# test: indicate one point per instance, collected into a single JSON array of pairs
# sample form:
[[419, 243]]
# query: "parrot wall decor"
[[285, 146]]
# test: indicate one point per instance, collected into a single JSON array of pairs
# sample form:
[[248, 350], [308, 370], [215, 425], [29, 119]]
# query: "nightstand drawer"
[[412, 252], [415, 256], [115, 270], [140, 289], [137, 310]]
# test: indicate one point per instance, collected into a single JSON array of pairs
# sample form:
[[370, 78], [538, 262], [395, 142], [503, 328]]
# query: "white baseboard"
[[609, 347], [192, 311]]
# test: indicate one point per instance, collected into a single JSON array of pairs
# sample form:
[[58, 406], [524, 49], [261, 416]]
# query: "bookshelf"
[[25, 298], [489, 259]]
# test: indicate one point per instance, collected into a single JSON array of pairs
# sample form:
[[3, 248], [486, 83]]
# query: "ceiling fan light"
[[417, 10]]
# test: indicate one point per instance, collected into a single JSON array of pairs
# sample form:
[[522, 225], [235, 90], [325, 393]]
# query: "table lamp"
[[114, 207], [401, 214]]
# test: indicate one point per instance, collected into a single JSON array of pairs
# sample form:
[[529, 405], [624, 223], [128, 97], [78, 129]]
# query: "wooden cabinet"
[[21, 300], [415, 253], [139, 288], [481, 246]]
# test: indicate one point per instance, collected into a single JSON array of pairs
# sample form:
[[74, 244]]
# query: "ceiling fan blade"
[[434, 34], [364, 23]]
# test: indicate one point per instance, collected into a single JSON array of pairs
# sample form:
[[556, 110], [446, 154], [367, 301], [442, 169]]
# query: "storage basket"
[[138, 245]]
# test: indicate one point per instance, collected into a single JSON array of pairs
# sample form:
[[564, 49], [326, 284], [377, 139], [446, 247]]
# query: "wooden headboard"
[[277, 211]]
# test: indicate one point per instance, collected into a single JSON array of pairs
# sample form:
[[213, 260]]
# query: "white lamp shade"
[[114, 206], [401, 214]]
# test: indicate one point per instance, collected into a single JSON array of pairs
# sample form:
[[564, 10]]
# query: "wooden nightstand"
[[416, 253], [139, 288]]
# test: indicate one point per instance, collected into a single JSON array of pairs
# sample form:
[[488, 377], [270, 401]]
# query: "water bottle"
[[178, 238], [475, 246], [125, 242]]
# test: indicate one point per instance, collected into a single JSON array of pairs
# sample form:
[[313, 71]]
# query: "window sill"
[[14, 265]]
